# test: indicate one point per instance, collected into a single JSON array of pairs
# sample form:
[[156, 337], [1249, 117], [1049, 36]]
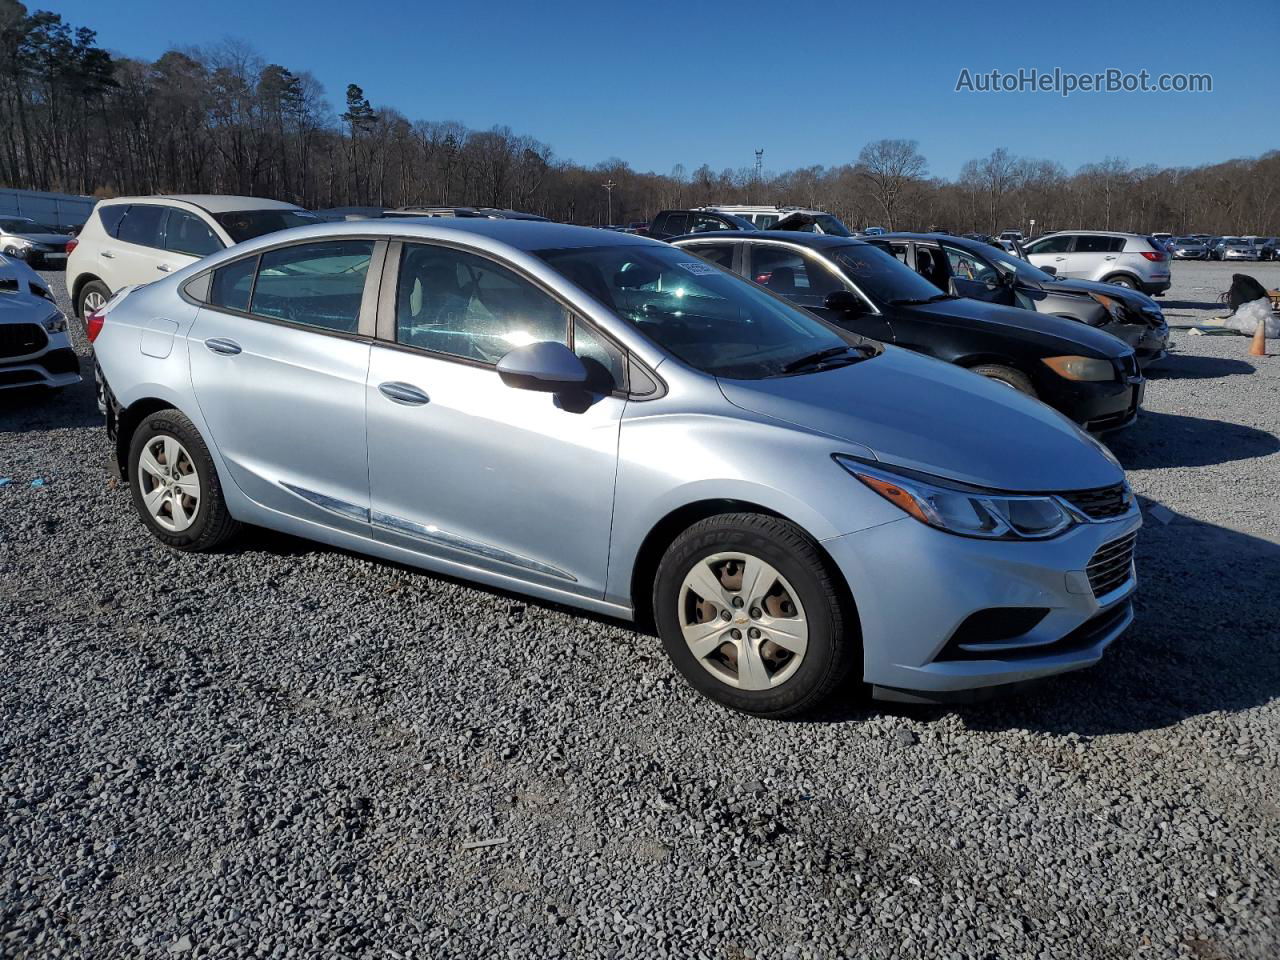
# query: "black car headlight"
[[54, 323], [963, 510]]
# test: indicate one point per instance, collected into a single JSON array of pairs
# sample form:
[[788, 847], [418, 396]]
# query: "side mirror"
[[546, 366], [843, 301], [1051, 271]]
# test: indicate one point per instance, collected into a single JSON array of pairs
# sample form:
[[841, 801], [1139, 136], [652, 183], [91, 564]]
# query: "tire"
[[799, 603], [1122, 281], [187, 510], [88, 294], [1006, 375]]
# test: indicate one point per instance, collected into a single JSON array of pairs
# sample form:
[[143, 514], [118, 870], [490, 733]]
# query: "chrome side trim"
[[430, 533], [332, 504]]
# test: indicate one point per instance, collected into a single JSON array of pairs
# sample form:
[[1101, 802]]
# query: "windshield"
[[26, 226], [1188, 241], [1025, 271], [244, 225], [1232, 240], [881, 275], [713, 320]]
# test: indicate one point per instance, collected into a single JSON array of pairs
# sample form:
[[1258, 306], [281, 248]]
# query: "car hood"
[[1134, 301], [916, 412], [51, 238], [1070, 333]]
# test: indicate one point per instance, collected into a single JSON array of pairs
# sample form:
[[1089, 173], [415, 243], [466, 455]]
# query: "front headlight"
[[18, 247], [55, 323], [1080, 368], [961, 509], [1113, 307]]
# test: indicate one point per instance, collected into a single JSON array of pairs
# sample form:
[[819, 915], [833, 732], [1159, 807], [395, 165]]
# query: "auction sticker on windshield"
[[699, 269]]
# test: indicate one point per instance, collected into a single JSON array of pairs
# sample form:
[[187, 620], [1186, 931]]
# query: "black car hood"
[[1078, 336], [1137, 304]]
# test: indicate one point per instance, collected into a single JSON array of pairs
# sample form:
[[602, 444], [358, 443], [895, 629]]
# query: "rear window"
[[1086, 243], [142, 225], [110, 217], [244, 225]]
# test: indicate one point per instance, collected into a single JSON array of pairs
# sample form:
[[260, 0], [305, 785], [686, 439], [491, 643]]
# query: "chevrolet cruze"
[[609, 422]]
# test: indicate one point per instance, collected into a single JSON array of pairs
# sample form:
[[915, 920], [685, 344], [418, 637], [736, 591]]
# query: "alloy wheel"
[[169, 483], [93, 300], [743, 621]]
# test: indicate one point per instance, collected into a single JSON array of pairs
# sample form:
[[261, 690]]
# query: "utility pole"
[[609, 185], [759, 163]]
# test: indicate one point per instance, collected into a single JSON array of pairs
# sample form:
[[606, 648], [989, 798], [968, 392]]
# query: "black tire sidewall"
[[1009, 376], [173, 424], [821, 653]]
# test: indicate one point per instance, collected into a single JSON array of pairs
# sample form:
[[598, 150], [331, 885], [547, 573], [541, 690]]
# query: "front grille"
[[21, 339], [1111, 565], [1101, 503]]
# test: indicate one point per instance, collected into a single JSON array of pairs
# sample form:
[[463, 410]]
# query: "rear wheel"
[[1122, 281], [1006, 375], [93, 295], [750, 615], [175, 486]]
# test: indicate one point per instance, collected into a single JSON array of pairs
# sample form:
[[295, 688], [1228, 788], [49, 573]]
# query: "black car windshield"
[[244, 225], [713, 320], [26, 226], [1011, 264], [881, 275]]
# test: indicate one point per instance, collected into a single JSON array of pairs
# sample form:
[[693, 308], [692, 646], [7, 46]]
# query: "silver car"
[[1236, 248], [1125, 259], [35, 350], [609, 422], [22, 238]]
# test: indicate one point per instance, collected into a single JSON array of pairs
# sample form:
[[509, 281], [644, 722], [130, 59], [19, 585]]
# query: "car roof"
[[816, 241], [213, 202]]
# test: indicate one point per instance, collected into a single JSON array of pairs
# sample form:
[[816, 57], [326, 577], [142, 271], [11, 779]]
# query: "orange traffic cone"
[[1259, 346]]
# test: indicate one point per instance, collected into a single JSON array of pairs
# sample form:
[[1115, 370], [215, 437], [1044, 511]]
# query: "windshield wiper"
[[912, 301], [821, 357]]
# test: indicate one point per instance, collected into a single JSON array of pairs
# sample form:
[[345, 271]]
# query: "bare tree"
[[891, 166]]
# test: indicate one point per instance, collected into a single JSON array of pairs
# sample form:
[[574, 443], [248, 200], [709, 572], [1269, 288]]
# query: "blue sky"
[[659, 83]]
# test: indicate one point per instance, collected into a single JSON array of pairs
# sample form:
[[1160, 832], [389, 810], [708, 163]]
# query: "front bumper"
[[55, 366], [1098, 406], [915, 586]]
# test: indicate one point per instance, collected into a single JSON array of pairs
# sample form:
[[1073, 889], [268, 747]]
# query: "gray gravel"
[[289, 751]]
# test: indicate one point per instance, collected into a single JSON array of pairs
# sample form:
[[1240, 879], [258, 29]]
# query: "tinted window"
[[316, 284], [233, 283], [1091, 244], [676, 223], [187, 233], [765, 220], [966, 266], [111, 217], [800, 279], [714, 321], [606, 364], [458, 303], [244, 225], [142, 224], [1059, 243], [720, 253], [703, 222], [880, 275]]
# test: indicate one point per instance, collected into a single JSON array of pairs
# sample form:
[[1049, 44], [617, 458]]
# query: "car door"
[[1092, 256], [279, 358], [805, 278], [137, 254], [467, 469], [1051, 252]]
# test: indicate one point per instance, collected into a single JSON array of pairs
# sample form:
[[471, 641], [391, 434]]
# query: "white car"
[[34, 348], [1131, 260], [133, 240]]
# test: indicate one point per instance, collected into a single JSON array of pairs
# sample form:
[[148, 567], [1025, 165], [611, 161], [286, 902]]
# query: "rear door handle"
[[405, 393], [108, 255], [228, 348], [1108, 258], [164, 267]]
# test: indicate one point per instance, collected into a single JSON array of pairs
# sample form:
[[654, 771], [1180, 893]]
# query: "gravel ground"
[[290, 751]]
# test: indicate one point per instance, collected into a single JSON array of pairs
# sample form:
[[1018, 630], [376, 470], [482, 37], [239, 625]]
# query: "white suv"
[[134, 240], [1125, 259]]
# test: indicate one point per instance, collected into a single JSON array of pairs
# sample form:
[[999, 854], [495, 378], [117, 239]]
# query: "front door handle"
[[405, 393], [1108, 258], [107, 254], [228, 348]]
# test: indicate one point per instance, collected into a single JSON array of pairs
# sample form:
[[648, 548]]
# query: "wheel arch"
[[663, 533], [1131, 277], [81, 281]]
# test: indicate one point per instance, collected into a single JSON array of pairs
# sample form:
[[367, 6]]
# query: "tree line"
[[222, 120]]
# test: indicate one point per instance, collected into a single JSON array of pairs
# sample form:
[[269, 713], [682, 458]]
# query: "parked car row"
[[719, 436], [35, 350]]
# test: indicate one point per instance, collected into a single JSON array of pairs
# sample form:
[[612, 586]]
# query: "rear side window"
[[143, 225], [718, 253], [1089, 244], [676, 223], [187, 233], [703, 223], [792, 275], [314, 284], [233, 284], [110, 217]]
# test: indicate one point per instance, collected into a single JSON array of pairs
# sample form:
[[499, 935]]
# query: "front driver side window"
[[965, 266], [457, 303]]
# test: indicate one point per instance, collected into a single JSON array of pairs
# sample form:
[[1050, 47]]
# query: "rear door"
[[1093, 256], [137, 252], [279, 356]]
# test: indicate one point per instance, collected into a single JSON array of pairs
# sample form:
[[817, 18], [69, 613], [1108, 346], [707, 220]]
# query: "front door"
[[975, 278], [279, 358], [1052, 252], [467, 469]]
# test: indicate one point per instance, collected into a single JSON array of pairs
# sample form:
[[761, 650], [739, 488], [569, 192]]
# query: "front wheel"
[[750, 615], [175, 486], [1008, 376]]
